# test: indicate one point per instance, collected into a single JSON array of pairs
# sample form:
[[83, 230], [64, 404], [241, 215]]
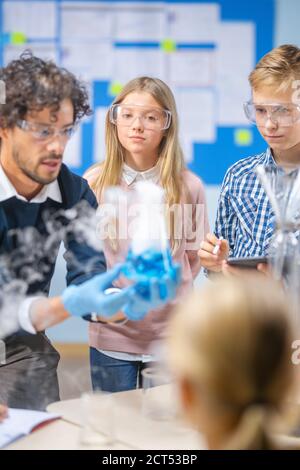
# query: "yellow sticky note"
[[115, 88], [18, 38], [243, 137], [168, 45]]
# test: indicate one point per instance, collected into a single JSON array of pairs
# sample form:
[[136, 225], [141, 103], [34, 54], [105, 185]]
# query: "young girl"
[[142, 144], [230, 349]]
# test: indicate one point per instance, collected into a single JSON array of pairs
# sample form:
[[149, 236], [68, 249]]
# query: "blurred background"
[[204, 50]]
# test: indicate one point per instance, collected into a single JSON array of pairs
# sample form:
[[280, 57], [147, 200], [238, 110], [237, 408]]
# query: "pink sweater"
[[141, 337]]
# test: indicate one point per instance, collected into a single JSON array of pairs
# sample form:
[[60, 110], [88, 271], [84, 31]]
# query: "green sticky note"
[[115, 88], [17, 38], [243, 137], [168, 45]]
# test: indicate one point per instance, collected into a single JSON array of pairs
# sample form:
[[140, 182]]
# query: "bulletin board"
[[204, 50]]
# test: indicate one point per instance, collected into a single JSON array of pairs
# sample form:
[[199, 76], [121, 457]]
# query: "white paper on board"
[[91, 21], [46, 51], [192, 67], [197, 114], [130, 63], [194, 22], [34, 19], [99, 134], [235, 58], [92, 60], [141, 22]]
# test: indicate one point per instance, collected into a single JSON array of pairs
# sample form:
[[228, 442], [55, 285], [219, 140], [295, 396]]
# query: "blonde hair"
[[170, 161], [232, 342], [277, 69]]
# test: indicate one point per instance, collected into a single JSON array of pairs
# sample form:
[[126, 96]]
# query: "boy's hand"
[[213, 251], [262, 268]]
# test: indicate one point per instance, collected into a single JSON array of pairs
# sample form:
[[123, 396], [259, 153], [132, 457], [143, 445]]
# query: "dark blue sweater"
[[26, 250]]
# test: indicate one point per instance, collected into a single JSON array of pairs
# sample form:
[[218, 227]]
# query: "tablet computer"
[[247, 262]]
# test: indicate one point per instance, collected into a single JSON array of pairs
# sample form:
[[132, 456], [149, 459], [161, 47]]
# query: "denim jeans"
[[114, 375]]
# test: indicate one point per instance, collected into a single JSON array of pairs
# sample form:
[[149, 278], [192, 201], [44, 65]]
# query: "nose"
[[271, 123], [57, 145], [137, 123]]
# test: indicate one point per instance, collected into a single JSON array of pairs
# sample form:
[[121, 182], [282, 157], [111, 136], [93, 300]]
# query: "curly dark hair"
[[32, 84]]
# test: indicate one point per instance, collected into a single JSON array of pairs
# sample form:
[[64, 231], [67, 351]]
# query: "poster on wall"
[[203, 50]]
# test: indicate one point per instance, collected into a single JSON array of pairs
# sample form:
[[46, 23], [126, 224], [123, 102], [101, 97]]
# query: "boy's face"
[[279, 137]]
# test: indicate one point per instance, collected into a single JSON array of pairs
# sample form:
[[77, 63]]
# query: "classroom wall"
[[286, 31]]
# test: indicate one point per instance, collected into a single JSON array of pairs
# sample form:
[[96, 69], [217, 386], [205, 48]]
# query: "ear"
[[191, 403], [187, 394], [4, 132]]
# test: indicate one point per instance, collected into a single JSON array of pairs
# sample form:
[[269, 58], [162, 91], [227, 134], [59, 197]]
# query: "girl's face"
[[139, 126]]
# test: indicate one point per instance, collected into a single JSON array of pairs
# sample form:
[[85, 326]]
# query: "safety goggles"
[[152, 118], [282, 114], [44, 133]]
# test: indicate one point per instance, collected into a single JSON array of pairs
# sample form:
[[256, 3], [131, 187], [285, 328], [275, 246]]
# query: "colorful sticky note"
[[168, 45], [115, 88], [17, 38], [243, 137]]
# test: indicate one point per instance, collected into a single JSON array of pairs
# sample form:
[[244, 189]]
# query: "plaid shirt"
[[245, 217]]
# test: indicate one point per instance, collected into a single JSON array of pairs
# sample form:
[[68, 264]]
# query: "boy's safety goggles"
[[282, 114]]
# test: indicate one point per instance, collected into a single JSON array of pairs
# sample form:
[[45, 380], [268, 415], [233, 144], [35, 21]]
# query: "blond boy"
[[245, 221]]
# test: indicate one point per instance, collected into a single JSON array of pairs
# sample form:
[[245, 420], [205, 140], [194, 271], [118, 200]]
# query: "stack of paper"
[[22, 422]]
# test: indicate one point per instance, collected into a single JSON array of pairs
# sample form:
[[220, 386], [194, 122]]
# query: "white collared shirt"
[[7, 190], [131, 176]]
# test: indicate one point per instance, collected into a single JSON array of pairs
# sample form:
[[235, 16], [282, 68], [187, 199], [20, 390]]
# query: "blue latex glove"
[[153, 293], [89, 296]]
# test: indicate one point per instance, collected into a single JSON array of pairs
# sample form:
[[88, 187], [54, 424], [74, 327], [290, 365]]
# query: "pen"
[[217, 247]]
